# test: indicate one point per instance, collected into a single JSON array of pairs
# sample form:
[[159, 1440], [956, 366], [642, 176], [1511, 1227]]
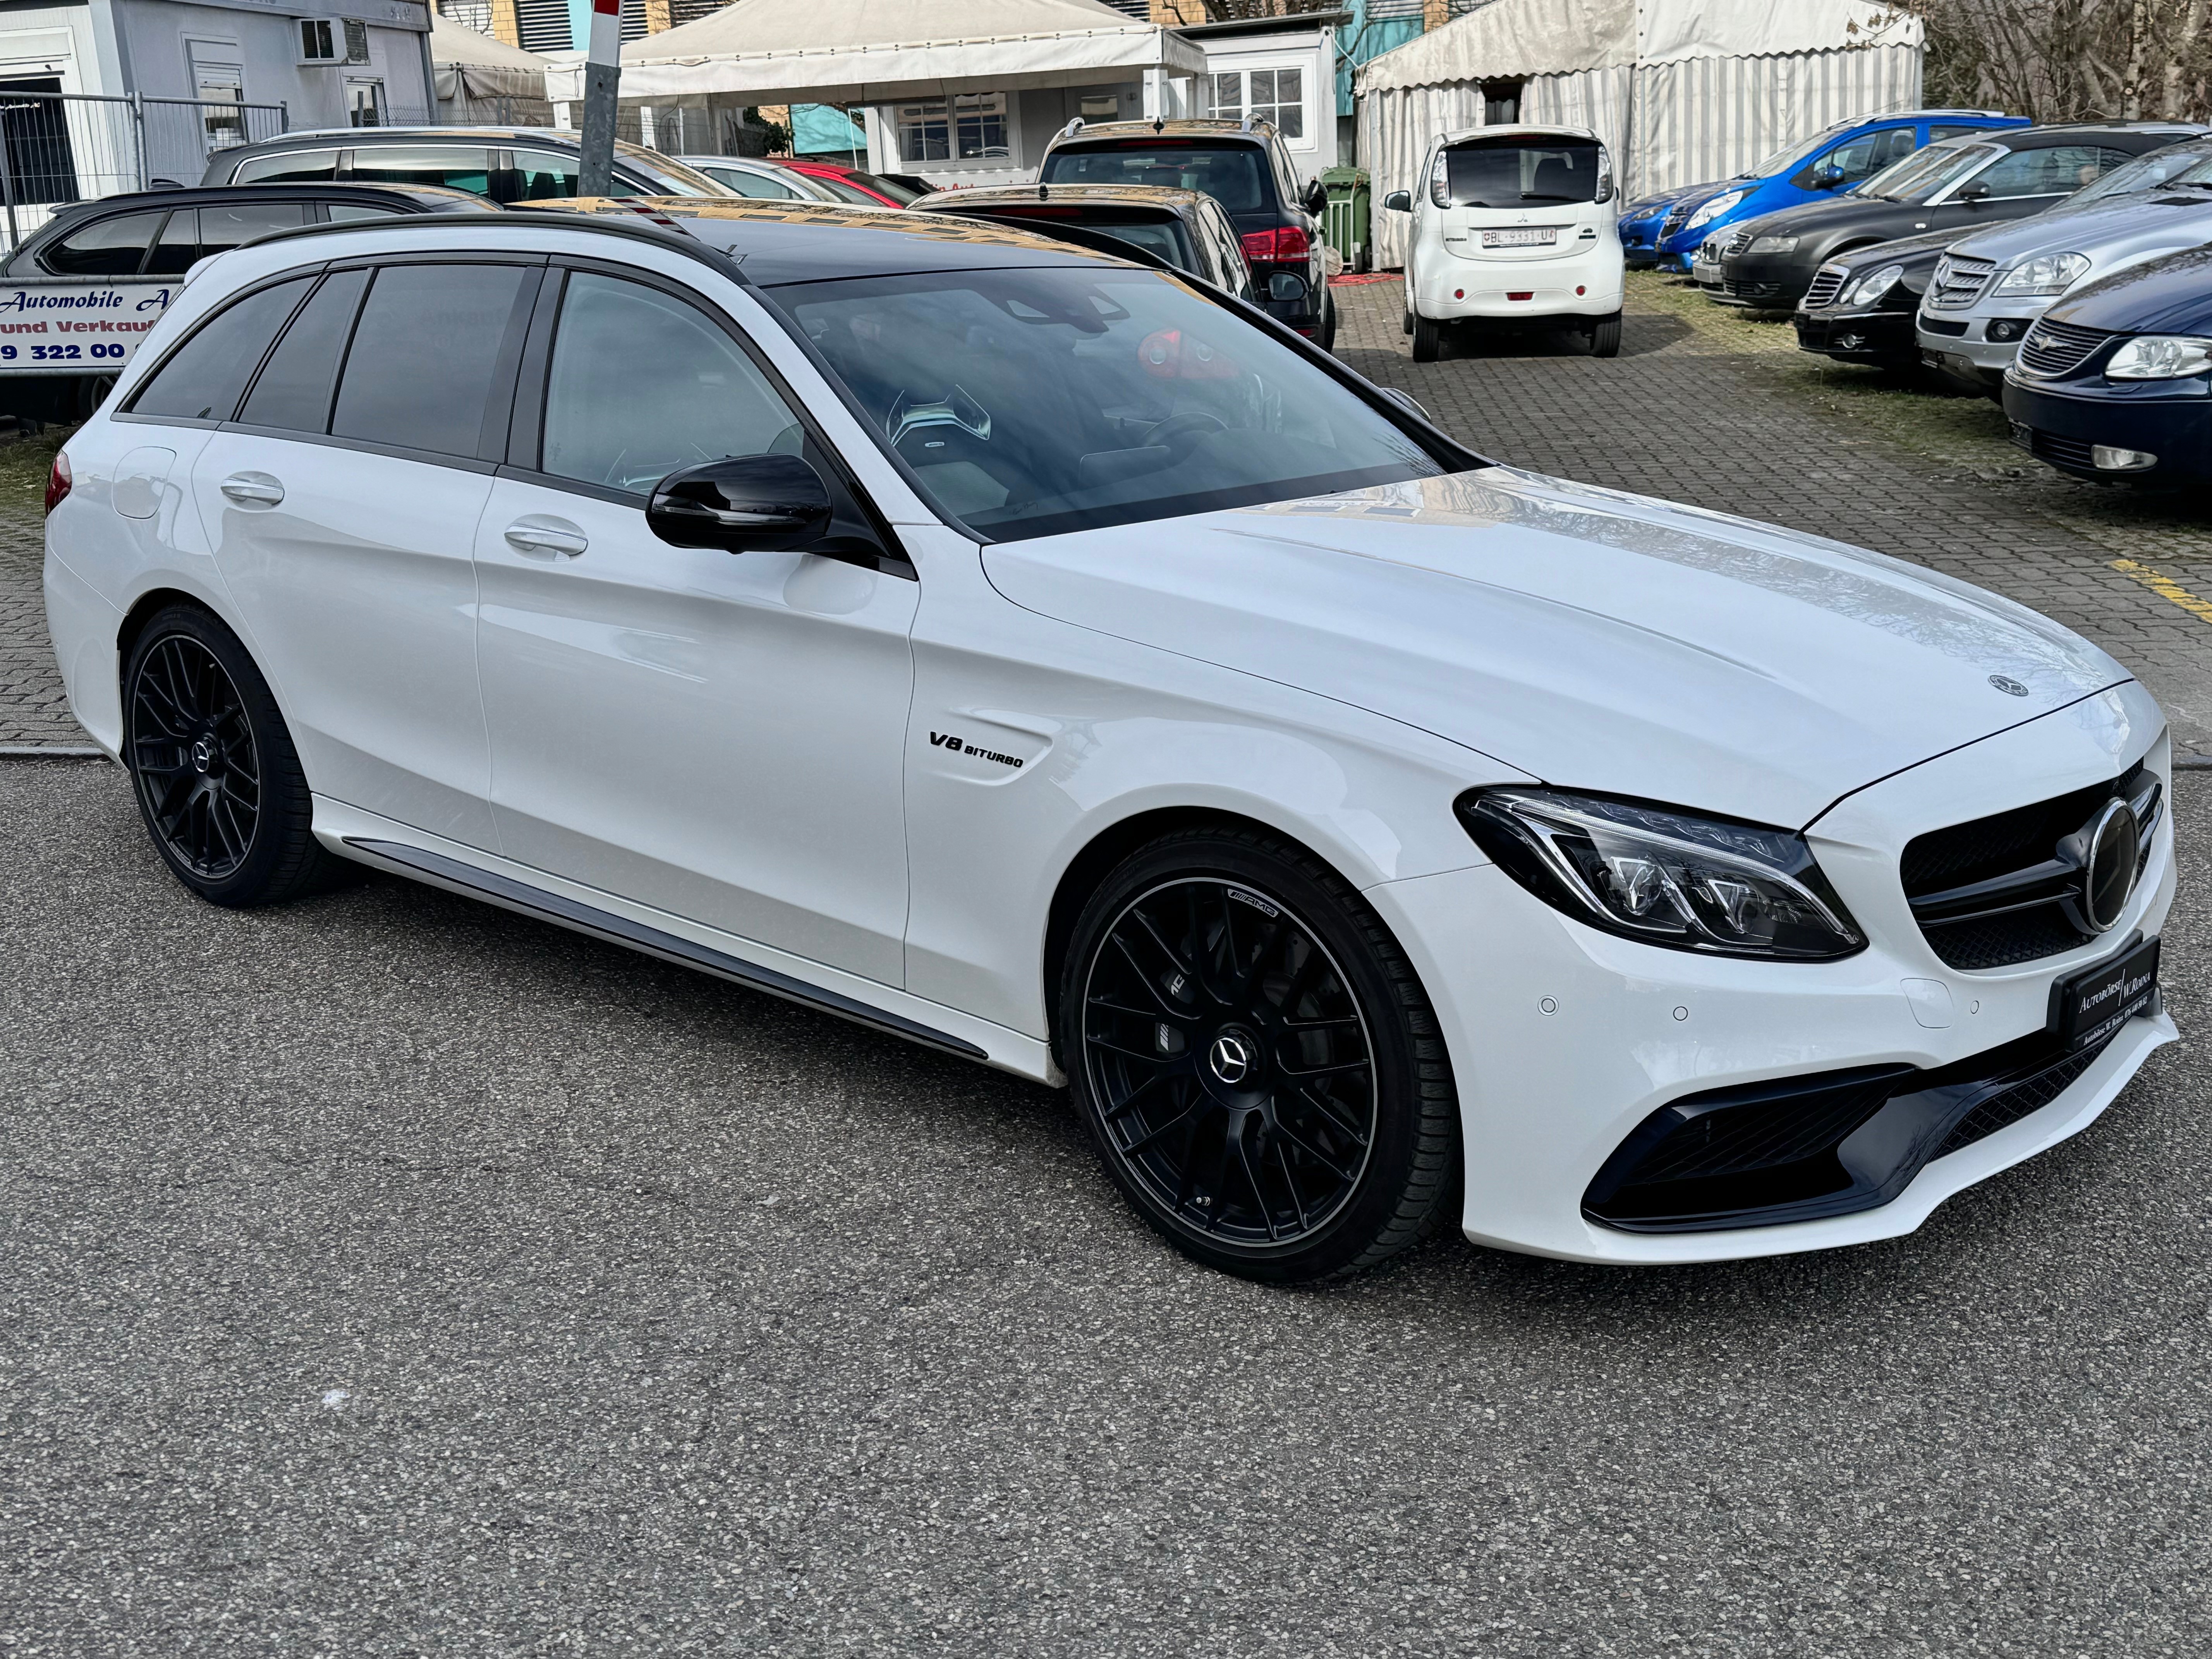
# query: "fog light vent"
[[2007, 329], [2110, 459]]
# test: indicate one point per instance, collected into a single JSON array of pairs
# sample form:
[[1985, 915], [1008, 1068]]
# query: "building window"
[[969, 128], [469, 14], [1276, 96], [318, 43], [1501, 103], [365, 103]]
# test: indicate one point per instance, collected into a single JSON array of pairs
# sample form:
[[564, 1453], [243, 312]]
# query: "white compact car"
[[1057, 663], [1513, 223]]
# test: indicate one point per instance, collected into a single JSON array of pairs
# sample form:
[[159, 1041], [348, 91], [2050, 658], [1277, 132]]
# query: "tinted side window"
[[112, 247], [459, 167], [1860, 158], [224, 227], [1937, 135], [419, 375], [752, 184], [201, 381], [642, 384], [304, 165], [178, 245], [293, 391], [2058, 170]]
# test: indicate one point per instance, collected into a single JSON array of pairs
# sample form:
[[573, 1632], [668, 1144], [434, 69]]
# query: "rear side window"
[[1512, 172], [339, 213], [420, 373], [224, 227], [1234, 175], [112, 247], [178, 246], [457, 166], [300, 166], [202, 379], [293, 391]]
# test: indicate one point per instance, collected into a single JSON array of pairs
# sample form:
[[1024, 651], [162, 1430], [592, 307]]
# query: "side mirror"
[[1974, 193], [1399, 200], [1828, 178], [1286, 285], [743, 504], [1315, 198]]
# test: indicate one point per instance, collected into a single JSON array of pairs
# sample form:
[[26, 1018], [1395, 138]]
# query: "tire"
[[1325, 336], [217, 779], [1409, 316], [1428, 339], [1605, 337], [1181, 976]]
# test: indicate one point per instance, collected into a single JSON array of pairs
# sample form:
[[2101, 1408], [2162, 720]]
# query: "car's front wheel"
[[217, 779], [1256, 1060]]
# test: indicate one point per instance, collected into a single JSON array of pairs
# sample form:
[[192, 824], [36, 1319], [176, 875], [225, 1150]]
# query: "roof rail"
[[1071, 129], [639, 225]]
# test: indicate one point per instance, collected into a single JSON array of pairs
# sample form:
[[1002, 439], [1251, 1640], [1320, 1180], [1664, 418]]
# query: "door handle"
[[258, 488], [542, 533]]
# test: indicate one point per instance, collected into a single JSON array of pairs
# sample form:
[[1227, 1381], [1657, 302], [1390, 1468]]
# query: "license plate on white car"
[[1533, 236], [2094, 1004]]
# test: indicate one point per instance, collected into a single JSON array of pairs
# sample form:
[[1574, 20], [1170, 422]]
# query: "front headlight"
[[2159, 357], [2050, 273], [1711, 210], [1772, 244], [1663, 877], [1867, 289]]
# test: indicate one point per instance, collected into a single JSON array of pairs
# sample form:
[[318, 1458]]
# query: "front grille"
[[1672, 224], [1735, 245], [1958, 281], [2002, 890], [1827, 282], [1709, 252], [2002, 1111], [2053, 348]]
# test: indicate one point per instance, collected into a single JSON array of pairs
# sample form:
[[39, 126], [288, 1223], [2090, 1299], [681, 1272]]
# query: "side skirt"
[[637, 936]]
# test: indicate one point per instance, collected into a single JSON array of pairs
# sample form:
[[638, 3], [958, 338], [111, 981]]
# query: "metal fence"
[[62, 147]]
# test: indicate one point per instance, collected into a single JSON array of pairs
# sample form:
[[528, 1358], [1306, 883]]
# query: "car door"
[[716, 735], [342, 503], [2019, 183]]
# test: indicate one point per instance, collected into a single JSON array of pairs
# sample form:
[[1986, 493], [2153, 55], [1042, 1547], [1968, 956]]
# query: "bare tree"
[[2071, 60]]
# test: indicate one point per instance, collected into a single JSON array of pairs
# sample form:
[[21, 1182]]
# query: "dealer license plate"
[[2022, 435], [2092, 1006], [1533, 236]]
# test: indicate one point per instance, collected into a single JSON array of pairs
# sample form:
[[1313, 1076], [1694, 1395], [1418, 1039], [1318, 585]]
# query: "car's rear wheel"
[[1409, 317], [217, 778], [1326, 334], [1428, 339], [1605, 337], [1256, 1060]]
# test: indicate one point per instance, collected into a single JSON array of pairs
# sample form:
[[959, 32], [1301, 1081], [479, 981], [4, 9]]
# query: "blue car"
[[1641, 219], [1838, 158]]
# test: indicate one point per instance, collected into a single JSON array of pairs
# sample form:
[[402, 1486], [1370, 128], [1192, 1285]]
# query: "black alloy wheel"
[[218, 781], [1256, 1060]]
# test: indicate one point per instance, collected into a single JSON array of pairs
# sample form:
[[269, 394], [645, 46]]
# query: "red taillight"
[[1283, 244], [58, 481]]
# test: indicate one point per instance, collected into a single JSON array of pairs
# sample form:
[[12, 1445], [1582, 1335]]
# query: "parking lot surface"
[[388, 1274]]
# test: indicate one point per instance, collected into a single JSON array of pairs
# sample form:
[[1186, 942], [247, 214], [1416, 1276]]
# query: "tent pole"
[[601, 89]]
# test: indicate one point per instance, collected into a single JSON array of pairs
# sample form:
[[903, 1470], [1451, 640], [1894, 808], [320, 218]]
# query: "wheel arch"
[[146, 607]]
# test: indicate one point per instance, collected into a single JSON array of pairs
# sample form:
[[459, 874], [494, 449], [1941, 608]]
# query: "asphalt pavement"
[[388, 1274]]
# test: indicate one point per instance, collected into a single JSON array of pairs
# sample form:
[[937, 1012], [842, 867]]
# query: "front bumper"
[[2061, 428], [1565, 1040], [1960, 347], [1880, 339], [1761, 284], [1585, 282]]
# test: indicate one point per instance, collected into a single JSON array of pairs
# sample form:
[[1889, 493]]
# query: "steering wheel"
[[1189, 421]]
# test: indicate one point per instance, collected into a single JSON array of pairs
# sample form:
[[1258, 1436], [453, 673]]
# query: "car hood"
[[1840, 213], [2114, 228], [1586, 637], [2173, 296]]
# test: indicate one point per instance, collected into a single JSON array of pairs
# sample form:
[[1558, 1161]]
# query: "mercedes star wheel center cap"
[[204, 755], [2108, 878], [1231, 1058]]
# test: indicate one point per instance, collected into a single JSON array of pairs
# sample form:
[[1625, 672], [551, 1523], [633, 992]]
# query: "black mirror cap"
[[1315, 196], [1974, 193], [1398, 201], [742, 504]]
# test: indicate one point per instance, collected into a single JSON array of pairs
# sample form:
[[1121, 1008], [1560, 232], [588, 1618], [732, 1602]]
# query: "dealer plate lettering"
[[2094, 1004]]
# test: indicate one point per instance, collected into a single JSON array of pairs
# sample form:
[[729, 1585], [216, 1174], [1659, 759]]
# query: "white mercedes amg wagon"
[[1047, 659]]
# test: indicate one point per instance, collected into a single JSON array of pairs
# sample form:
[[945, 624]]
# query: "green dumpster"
[[1344, 221]]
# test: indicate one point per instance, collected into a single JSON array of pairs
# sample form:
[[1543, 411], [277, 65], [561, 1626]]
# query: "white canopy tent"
[[477, 76], [1680, 90], [878, 51]]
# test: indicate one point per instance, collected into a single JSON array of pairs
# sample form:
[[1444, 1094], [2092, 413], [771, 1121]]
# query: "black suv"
[[1242, 164]]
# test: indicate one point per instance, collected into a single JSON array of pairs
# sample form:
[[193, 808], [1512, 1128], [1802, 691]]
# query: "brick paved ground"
[[1696, 409], [1699, 408]]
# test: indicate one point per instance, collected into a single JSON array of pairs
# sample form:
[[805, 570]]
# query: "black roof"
[[427, 198], [773, 243], [2074, 132]]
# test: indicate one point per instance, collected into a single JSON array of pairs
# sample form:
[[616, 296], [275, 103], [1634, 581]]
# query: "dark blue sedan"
[[2115, 382]]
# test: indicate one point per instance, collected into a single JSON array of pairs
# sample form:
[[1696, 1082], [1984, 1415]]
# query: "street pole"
[[602, 85]]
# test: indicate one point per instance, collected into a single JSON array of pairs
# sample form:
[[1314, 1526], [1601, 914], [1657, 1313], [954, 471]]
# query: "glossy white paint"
[[876, 784], [1451, 273]]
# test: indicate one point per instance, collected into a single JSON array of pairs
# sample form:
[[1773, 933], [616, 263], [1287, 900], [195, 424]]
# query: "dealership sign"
[[77, 328]]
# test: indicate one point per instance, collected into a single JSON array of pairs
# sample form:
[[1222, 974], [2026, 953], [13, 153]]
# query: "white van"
[[1512, 222]]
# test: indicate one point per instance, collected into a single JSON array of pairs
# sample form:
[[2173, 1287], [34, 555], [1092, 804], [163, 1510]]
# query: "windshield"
[[1919, 176], [1233, 174], [1034, 402], [2180, 165], [1506, 173], [1790, 157]]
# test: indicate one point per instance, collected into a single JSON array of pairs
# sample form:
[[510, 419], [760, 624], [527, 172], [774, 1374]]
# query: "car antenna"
[[1160, 121]]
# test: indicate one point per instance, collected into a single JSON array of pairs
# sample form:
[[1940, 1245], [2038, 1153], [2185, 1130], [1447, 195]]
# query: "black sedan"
[[1959, 184], [1861, 307], [2115, 382]]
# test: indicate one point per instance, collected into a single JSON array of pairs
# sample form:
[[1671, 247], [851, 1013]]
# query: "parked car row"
[[2062, 269]]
